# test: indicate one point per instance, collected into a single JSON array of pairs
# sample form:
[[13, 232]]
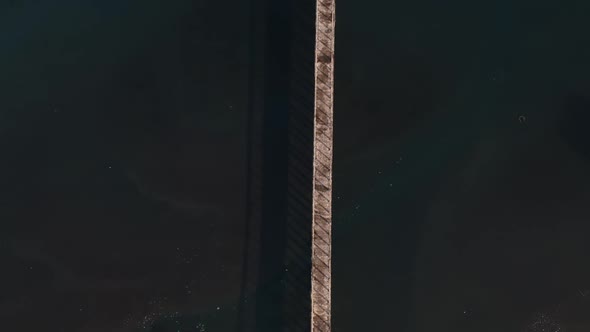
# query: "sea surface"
[[462, 172], [155, 166]]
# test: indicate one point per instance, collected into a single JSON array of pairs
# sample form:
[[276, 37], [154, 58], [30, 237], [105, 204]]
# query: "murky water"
[[462, 171], [123, 177], [134, 149]]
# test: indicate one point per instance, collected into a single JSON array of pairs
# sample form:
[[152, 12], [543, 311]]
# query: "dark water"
[[145, 182], [155, 166], [462, 170]]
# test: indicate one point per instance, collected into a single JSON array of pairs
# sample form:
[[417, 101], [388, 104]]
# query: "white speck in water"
[[218, 308], [543, 323]]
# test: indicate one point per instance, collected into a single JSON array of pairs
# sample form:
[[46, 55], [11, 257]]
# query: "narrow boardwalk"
[[322, 178]]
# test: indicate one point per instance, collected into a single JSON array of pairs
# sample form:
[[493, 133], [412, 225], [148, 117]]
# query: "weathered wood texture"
[[322, 178]]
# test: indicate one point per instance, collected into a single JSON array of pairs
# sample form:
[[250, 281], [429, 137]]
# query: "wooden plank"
[[322, 172]]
